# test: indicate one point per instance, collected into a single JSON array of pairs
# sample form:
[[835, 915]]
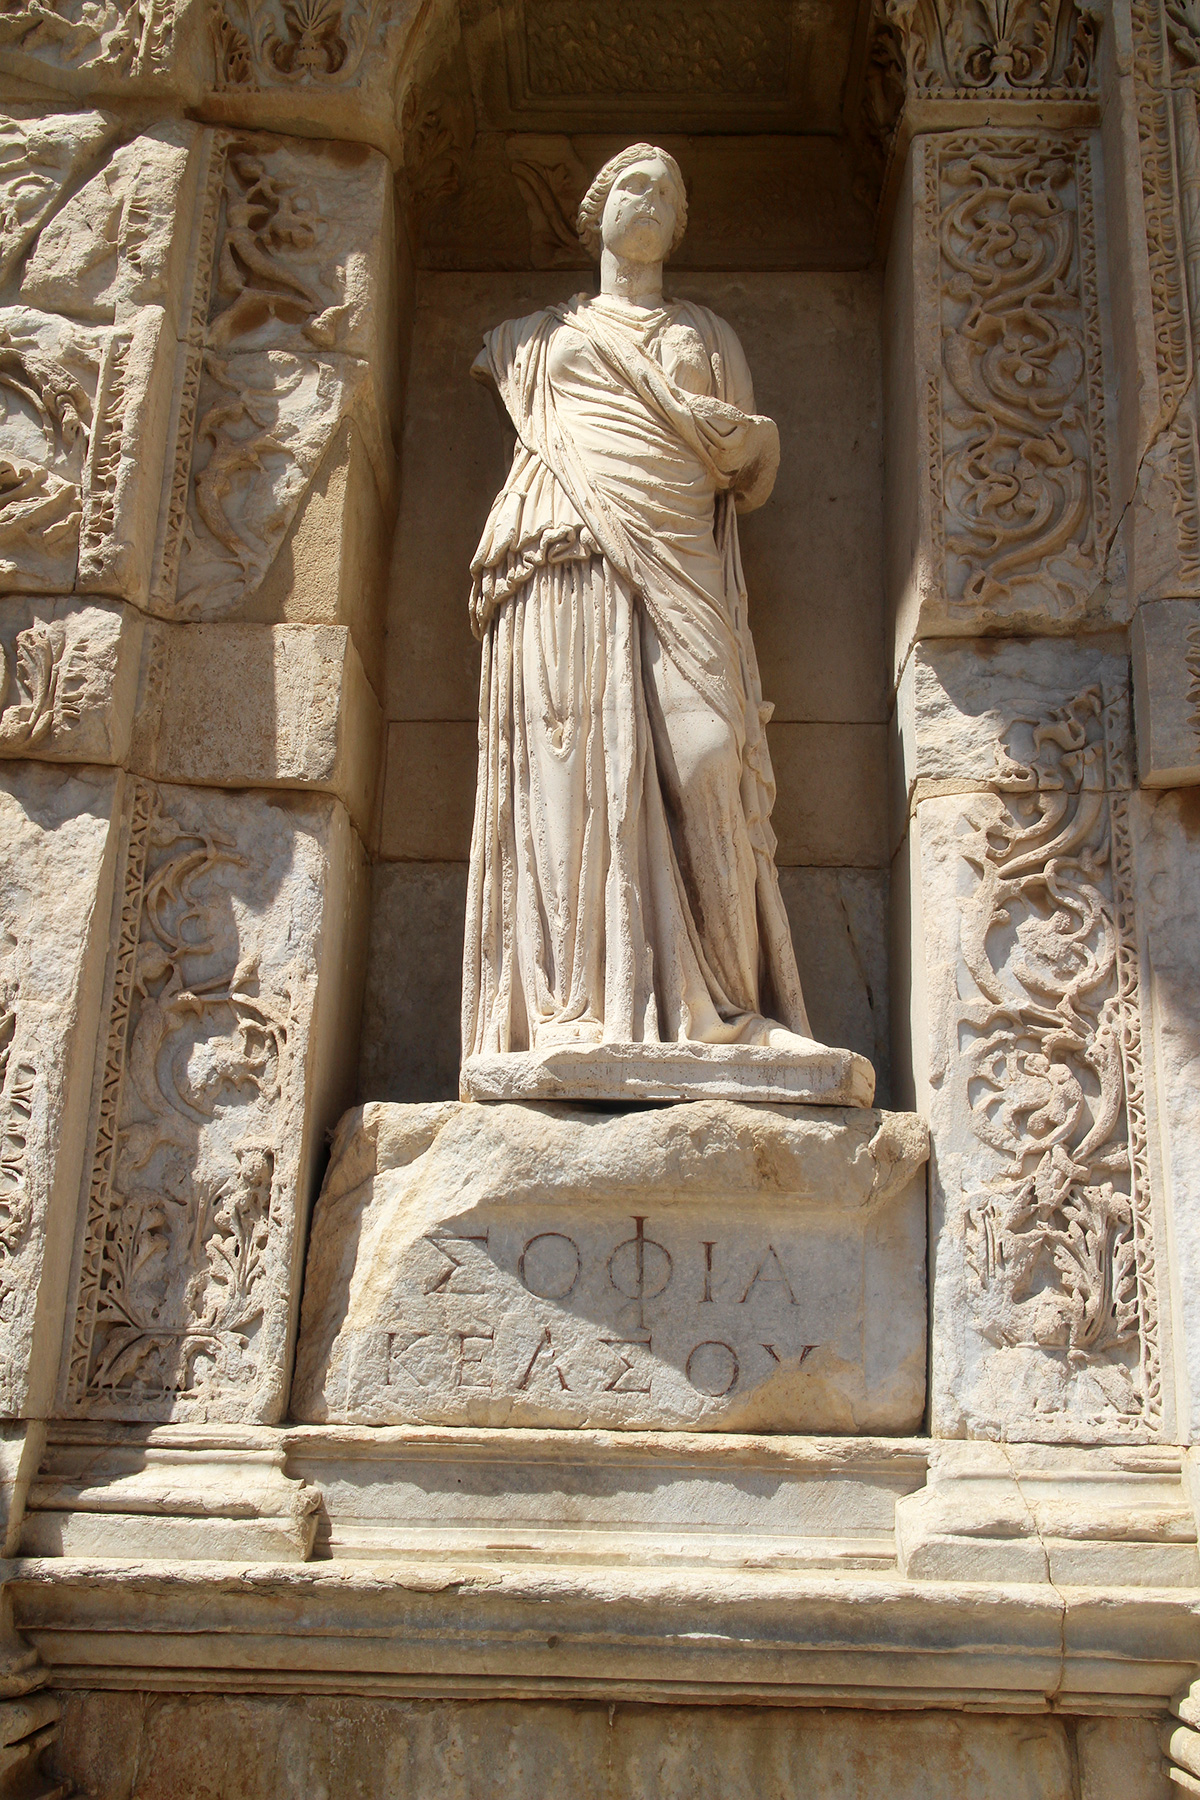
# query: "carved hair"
[[591, 210]]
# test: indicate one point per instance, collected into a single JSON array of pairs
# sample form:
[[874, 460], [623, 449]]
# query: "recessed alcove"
[[760, 105]]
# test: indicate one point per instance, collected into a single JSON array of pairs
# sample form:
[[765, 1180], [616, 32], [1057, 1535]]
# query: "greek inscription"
[[444, 1281], [713, 1368], [474, 1359], [399, 1343], [771, 1273], [640, 1268], [708, 1269], [549, 1364], [628, 1379], [549, 1266]]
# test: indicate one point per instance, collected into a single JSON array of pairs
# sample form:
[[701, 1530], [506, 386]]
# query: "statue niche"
[[626, 936]]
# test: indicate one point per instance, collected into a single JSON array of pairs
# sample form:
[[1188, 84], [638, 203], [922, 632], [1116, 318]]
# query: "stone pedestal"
[[705, 1267]]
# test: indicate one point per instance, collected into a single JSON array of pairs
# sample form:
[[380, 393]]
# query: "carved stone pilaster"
[[231, 980], [1029, 1018]]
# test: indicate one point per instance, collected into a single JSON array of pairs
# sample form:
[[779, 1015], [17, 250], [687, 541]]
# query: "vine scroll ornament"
[[1059, 1238], [1019, 430], [180, 1262]]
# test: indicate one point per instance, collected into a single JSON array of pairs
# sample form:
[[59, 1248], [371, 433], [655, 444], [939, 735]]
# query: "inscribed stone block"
[[709, 1266]]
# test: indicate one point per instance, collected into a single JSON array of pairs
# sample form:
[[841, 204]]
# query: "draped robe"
[[622, 884]]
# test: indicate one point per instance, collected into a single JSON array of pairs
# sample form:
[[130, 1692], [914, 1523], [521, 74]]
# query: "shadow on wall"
[[410, 1039]]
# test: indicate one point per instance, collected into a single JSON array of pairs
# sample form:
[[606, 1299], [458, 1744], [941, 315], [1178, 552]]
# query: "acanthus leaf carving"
[[1021, 463], [42, 671], [294, 43], [1059, 1240], [965, 49]]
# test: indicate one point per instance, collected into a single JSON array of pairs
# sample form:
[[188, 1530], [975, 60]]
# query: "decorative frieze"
[[205, 1126]]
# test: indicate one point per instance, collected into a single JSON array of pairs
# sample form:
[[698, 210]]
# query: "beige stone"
[[839, 930], [956, 700], [1022, 1512], [1166, 834], [429, 790], [55, 893], [223, 1052], [579, 1749], [261, 706], [120, 241], [647, 1499], [40, 154], [177, 1494], [1165, 641], [797, 1640], [728, 1271], [70, 679]]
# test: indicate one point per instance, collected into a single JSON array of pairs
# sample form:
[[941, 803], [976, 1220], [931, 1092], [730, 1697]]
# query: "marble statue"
[[623, 890]]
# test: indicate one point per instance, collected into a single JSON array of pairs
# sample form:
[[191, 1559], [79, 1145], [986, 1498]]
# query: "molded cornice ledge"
[[520, 1631]]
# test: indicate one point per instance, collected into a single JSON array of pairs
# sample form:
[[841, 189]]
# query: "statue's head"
[[636, 207]]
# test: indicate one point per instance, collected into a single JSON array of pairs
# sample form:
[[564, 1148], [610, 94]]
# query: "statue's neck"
[[637, 283]]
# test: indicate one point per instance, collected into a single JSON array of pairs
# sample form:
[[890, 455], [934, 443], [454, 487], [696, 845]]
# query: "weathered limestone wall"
[[120, 1746], [813, 561]]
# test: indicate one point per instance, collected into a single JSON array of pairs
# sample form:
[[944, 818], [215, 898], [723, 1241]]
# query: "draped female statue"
[[624, 918]]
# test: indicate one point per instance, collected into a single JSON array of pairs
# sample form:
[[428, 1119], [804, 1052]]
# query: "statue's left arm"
[[756, 477]]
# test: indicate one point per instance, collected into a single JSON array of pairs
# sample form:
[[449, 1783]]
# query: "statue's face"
[[638, 222]]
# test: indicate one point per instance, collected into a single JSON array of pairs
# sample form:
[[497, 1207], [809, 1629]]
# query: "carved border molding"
[[1166, 254]]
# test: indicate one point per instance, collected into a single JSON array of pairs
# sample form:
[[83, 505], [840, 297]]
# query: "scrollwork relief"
[[1023, 469], [963, 49], [181, 1264], [1058, 1236]]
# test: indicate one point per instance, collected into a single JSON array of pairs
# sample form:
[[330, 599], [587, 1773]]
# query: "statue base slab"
[[616, 1073], [703, 1267]]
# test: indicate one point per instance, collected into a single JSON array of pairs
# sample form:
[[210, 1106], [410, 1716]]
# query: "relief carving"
[[183, 1265], [963, 49], [1059, 1238], [619, 47], [115, 38], [40, 688], [282, 327], [294, 43], [38, 157], [1020, 461], [552, 181], [46, 373], [1174, 261]]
